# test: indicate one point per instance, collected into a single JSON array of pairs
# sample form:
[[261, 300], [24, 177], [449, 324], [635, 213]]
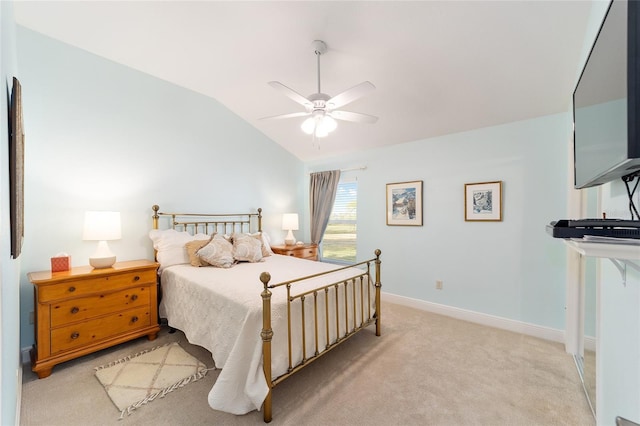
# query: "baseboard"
[[590, 343], [25, 355], [18, 393], [478, 318]]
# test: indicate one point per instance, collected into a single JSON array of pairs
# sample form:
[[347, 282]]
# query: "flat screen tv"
[[606, 101]]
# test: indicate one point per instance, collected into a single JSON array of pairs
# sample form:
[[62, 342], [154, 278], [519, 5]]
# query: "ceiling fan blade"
[[353, 116], [350, 95], [291, 115], [292, 94]]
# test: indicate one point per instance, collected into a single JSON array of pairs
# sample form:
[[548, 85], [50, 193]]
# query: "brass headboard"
[[208, 223]]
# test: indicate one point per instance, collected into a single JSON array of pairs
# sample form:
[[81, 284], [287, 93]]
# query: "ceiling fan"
[[320, 108]]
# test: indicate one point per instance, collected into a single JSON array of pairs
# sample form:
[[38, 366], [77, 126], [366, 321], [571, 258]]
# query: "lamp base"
[[290, 239], [102, 262], [103, 257]]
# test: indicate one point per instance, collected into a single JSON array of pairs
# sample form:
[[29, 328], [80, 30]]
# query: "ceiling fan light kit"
[[319, 125], [320, 107]]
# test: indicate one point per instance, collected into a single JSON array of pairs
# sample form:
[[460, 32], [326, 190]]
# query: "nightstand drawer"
[[88, 332], [303, 254], [79, 309], [78, 288], [304, 251]]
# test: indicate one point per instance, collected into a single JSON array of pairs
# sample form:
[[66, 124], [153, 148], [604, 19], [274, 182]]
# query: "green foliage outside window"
[[339, 242]]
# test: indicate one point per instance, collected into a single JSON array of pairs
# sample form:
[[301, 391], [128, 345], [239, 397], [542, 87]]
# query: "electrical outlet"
[[438, 285], [31, 317]]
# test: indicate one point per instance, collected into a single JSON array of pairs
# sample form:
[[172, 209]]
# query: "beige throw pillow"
[[218, 253], [192, 248], [246, 248]]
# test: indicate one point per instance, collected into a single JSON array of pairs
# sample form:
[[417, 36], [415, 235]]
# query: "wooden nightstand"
[[84, 310], [304, 251]]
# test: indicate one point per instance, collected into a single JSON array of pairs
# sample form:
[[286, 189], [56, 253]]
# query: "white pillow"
[[266, 243], [171, 246], [217, 253]]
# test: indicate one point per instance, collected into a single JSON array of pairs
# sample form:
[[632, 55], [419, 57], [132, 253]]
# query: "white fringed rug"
[[138, 379]]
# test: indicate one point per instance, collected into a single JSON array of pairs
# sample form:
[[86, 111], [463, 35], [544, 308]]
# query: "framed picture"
[[483, 201], [404, 203], [16, 170]]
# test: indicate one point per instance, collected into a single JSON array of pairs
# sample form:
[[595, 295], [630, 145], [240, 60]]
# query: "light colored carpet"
[[425, 369], [136, 380]]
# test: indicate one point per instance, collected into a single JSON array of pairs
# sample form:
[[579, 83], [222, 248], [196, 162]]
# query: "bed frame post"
[[378, 286], [259, 219], [155, 216], [266, 334]]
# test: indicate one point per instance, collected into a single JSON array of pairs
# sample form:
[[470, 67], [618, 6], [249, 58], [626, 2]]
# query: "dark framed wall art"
[[16, 169]]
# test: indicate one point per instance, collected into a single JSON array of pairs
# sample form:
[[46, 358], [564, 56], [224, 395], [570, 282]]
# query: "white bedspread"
[[221, 310]]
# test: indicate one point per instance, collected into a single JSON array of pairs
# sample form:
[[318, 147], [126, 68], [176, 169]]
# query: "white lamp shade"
[[290, 221], [101, 226]]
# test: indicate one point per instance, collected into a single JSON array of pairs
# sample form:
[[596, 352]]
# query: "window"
[[339, 240]]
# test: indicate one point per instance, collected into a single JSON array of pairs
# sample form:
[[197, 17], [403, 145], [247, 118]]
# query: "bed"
[[263, 318]]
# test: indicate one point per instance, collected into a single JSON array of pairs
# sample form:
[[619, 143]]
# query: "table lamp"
[[102, 226], [290, 223]]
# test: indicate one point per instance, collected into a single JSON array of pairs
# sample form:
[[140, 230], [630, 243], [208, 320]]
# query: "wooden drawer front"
[[310, 253], [86, 333], [73, 310], [307, 253], [89, 286]]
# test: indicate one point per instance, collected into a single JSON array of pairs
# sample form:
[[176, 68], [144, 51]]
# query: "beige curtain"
[[322, 190]]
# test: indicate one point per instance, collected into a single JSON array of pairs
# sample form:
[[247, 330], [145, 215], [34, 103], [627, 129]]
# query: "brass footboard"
[[349, 323]]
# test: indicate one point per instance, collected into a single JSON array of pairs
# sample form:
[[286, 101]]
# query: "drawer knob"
[[291, 254], [72, 289], [134, 297], [75, 335], [134, 319], [75, 310], [136, 278]]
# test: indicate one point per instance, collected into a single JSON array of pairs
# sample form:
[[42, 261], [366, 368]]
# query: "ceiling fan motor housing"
[[319, 101]]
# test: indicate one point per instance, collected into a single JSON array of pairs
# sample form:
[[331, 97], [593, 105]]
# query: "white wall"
[[100, 136], [510, 269]]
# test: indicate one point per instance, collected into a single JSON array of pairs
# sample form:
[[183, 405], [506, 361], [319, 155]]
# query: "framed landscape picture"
[[483, 201], [404, 203]]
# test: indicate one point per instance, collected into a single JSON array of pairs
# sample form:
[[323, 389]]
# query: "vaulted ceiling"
[[439, 67]]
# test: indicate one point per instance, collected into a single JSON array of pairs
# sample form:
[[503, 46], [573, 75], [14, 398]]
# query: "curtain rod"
[[352, 169]]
